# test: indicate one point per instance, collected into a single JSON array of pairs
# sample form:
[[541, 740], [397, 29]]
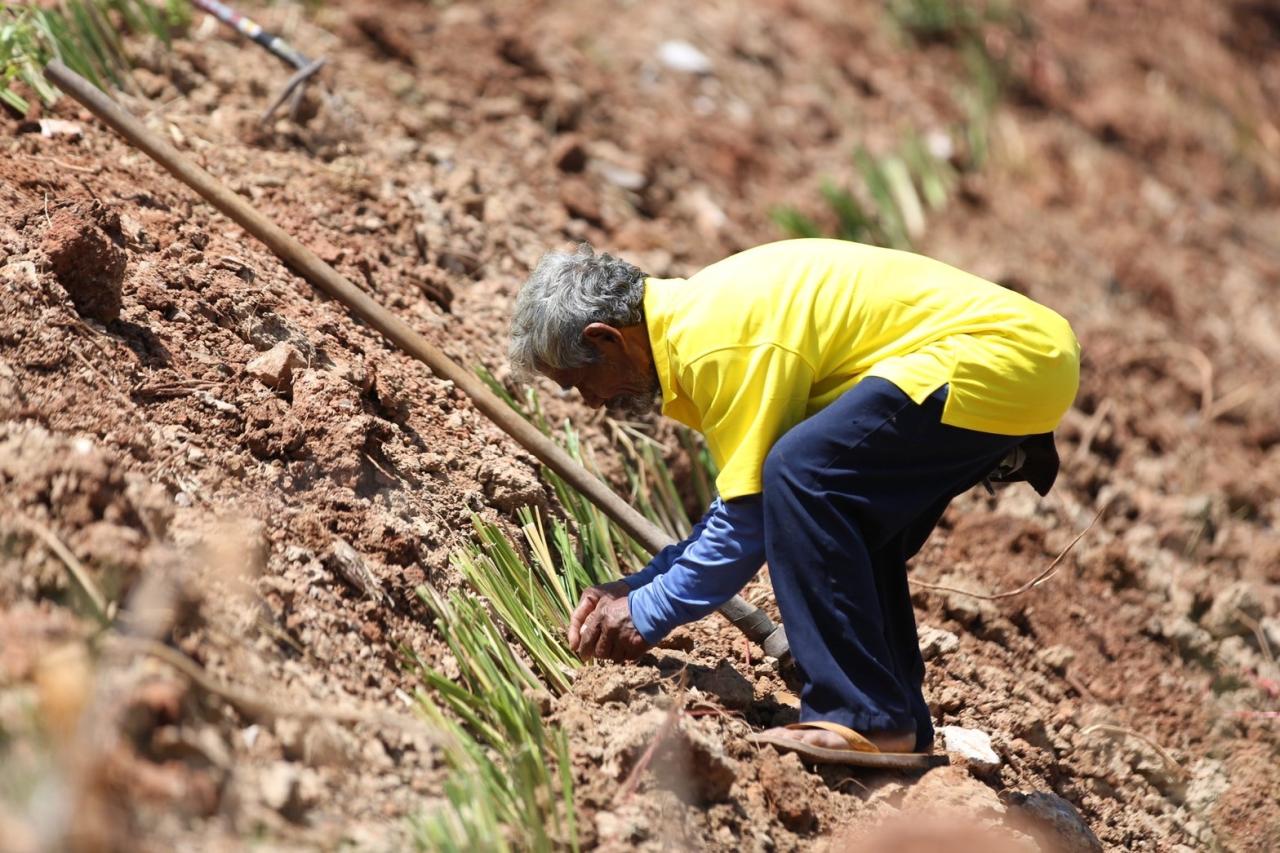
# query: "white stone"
[[940, 144], [1057, 657], [278, 784], [1208, 783], [682, 56], [621, 176], [53, 127], [970, 743]]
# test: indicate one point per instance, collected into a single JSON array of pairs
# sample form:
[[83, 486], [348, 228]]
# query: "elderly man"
[[847, 394]]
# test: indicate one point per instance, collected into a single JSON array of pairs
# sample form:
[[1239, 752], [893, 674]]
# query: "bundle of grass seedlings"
[[503, 793], [84, 34], [511, 786]]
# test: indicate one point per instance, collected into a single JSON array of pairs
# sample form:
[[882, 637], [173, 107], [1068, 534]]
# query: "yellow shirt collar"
[[658, 319]]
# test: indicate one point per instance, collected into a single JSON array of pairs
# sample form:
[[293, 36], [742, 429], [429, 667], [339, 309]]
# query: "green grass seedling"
[[84, 34]]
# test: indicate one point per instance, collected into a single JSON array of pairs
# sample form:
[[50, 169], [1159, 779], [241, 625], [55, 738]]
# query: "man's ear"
[[599, 334]]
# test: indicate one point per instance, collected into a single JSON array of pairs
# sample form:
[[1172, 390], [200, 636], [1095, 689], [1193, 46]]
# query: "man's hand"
[[601, 625], [592, 596]]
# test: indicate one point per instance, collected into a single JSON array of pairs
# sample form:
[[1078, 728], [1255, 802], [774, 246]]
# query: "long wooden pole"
[[751, 620]]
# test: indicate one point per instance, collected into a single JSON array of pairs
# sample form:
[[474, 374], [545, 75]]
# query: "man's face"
[[622, 377], [618, 385]]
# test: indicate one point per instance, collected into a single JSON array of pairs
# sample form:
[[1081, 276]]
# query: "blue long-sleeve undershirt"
[[688, 580]]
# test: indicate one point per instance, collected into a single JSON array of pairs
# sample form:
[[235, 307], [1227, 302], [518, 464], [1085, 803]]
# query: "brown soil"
[[261, 482]]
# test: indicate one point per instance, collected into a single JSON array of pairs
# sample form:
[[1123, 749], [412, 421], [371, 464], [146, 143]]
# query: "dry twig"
[[74, 567], [70, 167], [1121, 730], [664, 731], [1256, 627], [1234, 398], [1078, 686], [1258, 715], [1031, 584], [1091, 429], [173, 389], [253, 704]]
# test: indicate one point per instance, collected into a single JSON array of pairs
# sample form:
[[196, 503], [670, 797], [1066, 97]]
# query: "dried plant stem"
[[250, 703], [1091, 429], [1031, 584], [659, 737], [1256, 627], [1258, 715], [74, 567], [70, 167], [1121, 730], [1205, 367], [1234, 398], [1079, 686]]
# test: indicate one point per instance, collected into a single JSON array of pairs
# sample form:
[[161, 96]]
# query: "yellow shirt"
[[750, 346]]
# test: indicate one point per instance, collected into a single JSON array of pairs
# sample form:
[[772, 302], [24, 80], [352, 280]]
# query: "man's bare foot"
[[884, 741]]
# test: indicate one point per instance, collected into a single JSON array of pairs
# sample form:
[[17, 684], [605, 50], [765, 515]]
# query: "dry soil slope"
[[1134, 189]]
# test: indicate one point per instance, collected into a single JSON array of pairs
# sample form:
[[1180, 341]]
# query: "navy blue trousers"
[[850, 495]]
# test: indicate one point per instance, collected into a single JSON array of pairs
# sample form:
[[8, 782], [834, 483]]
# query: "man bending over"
[[847, 394]]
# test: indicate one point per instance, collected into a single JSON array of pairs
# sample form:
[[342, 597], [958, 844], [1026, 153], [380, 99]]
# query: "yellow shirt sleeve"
[[748, 396]]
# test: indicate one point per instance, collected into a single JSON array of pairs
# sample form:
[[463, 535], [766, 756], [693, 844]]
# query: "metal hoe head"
[[306, 68]]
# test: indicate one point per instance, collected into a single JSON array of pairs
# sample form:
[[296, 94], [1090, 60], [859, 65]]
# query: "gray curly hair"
[[565, 293]]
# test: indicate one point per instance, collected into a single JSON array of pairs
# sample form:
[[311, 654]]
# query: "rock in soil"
[[727, 686], [274, 368], [1055, 823], [935, 642], [969, 744], [349, 565], [278, 785]]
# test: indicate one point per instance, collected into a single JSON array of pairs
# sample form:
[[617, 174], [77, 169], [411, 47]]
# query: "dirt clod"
[[509, 485], [788, 787], [684, 759], [952, 790], [85, 248], [568, 154], [580, 200]]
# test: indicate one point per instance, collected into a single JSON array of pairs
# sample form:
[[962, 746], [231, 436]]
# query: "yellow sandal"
[[859, 753]]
